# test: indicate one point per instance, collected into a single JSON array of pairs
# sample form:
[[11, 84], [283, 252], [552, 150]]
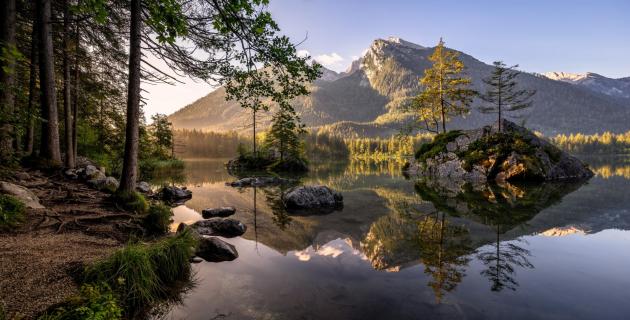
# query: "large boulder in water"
[[215, 250], [227, 228], [174, 194], [312, 197], [25, 195], [218, 212], [487, 154]]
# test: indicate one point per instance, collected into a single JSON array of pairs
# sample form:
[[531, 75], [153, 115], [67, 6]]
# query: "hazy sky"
[[552, 35]]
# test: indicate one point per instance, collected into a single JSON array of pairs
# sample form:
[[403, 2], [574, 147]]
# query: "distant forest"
[[320, 145]]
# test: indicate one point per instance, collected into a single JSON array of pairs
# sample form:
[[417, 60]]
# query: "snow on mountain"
[[618, 88]]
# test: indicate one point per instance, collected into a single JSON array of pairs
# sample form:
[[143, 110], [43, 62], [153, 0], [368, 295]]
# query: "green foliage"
[[158, 219], [446, 92], [11, 212], [162, 135], [94, 302], [501, 95], [437, 146], [132, 201], [284, 136], [141, 274], [166, 19]]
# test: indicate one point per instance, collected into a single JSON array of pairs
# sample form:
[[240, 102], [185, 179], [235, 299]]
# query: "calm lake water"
[[402, 250]]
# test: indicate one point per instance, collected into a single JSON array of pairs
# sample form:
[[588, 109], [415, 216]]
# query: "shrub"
[[158, 220], [132, 201], [94, 302], [11, 212]]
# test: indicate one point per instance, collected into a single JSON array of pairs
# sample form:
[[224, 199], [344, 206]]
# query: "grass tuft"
[[11, 212], [141, 273], [159, 219], [132, 201]]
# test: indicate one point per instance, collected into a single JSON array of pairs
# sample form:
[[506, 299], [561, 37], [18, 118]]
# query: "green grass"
[[141, 274], [437, 146], [132, 201], [158, 219], [94, 302], [11, 212]]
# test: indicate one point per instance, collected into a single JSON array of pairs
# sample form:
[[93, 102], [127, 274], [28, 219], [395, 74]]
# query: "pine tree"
[[502, 95], [284, 134], [446, 92]]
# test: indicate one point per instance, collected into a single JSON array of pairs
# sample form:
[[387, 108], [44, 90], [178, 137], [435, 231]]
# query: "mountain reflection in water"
[[401, 249]]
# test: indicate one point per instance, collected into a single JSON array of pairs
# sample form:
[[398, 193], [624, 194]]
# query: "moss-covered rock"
[[484, 154]]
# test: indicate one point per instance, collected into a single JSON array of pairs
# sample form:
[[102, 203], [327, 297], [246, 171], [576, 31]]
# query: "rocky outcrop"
[[25, 195], [218, 212], [227, 228], [482, 155], [259, 182], [108, 184], [312, 197]]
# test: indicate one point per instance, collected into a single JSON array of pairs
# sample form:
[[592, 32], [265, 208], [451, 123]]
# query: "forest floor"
[[40, 260]]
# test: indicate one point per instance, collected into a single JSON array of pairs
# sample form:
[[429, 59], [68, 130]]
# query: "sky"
[[553, 35]]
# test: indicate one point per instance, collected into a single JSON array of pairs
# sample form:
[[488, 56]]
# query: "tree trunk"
[[75, 92], [130, 161], [7, 79], [69, 160], [32, 86], [49, 148]]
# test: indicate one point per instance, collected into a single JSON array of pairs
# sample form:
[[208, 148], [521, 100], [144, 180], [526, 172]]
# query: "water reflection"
[[397, 238]]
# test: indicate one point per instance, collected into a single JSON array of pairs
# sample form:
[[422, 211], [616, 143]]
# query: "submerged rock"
[[174, 194], [218, 212], [312, 197], [227, 228], [25, 195], [196, 260], [482, 155], [259, 182], [214, 249]]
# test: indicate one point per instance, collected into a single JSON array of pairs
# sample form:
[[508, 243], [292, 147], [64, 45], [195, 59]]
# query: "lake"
[[405, 250]]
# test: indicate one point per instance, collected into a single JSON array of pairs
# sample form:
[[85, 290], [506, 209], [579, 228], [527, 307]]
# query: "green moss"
[[94, 302], [498, 146], [132, 201], [158, 219], [11, 212], [437, 146]]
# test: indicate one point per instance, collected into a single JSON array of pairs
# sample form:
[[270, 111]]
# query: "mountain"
[[368, 98], [619, 88]]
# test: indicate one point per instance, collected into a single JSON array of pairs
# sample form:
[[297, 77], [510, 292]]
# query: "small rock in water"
[[216, 250], [228, 228], [25, 195], [218, 212], [196, 260]]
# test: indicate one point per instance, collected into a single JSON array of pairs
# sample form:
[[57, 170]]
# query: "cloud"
[[331, 61], [303, 53]]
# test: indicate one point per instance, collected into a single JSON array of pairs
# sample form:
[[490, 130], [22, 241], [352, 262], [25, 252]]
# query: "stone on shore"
[[23, 194], [213, 249]]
